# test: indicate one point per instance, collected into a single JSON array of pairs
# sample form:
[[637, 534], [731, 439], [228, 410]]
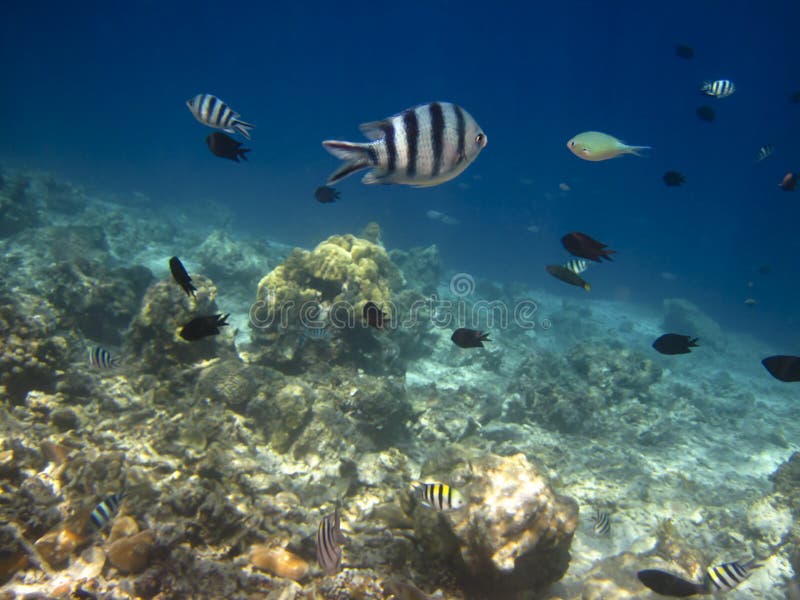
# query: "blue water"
[[95, 92]]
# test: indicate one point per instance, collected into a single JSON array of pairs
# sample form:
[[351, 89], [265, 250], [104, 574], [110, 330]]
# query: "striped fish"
[[727, 576], [577, 265], [721, 88], [765, 151], [421, 146], [100, 358], [212, 111], [438, 495], [329, 540], [602, 523], [105, 512]]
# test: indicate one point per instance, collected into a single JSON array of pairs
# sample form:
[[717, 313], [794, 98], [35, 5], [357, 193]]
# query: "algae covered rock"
[[283, 413], [421, 267], [513, 534], [323, 290]]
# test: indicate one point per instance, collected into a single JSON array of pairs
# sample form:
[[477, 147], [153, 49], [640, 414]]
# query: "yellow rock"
[[131, 554], [278, 561]]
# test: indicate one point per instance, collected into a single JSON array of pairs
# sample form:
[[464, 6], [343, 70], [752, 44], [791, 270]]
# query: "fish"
[[439, 496], [668, 584], [329, 541], [765, 151], [181, 277], [584, 246], [316, 333], [325, 194], [374, 316], [788, 182], [576, 265], [751, 302], [469, 338], [783, 367], [706, 113], [422, 146], [673, 343], [674, 178], [105, 512], [100, 358], [602, 523], [721, 88], [214, 113], [596, 146], [684, 51], [567, 276], [201, 327], [225, 146], [725, 577]]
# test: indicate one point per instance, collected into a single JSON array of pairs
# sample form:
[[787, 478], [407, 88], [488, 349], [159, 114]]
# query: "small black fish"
[[180, 275], [673, 343], [668, 584], [225, 146], [325, 194], [469, 338], [706, 113], [684, 51], [201, 327], [567, 276], [783, 367], [673, 178], [585, 246], [374, 316]]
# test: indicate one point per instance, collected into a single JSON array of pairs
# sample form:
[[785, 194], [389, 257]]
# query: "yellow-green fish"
[[595, 146]]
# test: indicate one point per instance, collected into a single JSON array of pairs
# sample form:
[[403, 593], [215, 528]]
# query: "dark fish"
[[180, 275], [374, 316], [469, 338], [105, 512], [673, 178], [673, 343], [100, 358], [326, 194], [580, 244], [421, 146], [668, 584], [329, 540], [684, 51], [795, 97], [567, 276], [783, 367], [212, 111], [225, 146], [602, 523], [727, 576], [789, 182], [706, 113], [201, 327]]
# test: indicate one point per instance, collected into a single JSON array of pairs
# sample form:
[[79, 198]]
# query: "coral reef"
[[421, 268]]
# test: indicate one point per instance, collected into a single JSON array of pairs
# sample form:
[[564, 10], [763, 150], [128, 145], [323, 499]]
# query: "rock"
[[58, 545], [278, 561], [124, 526], [131, 554], [65, 418], [421, 268], [513, 534]]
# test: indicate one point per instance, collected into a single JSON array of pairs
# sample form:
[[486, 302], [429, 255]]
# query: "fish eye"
[[479, 138]]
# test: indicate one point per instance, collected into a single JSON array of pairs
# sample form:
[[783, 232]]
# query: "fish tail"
[[242, 153], [243, 128], [357, 157], [639, 150], [587, 287]]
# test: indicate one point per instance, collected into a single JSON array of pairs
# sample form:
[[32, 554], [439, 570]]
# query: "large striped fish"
[[329, 540], [727, 576], [422, 146], [439, 496], [100, 358], [721, 88], [212, 111], [105, 511]]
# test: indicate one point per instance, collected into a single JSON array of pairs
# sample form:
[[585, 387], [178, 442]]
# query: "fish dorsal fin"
[[374, 129]]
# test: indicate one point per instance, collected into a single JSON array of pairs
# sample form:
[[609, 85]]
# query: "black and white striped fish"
[[577, 265], [438, 495], [212, 111], [421, 146], [602, 523], [105, 512], [765, 151], [100, 358], [329, 541], [721, 88], [727, 576]]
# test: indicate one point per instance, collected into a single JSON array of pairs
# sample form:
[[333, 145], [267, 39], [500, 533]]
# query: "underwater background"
[[106, 175]]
